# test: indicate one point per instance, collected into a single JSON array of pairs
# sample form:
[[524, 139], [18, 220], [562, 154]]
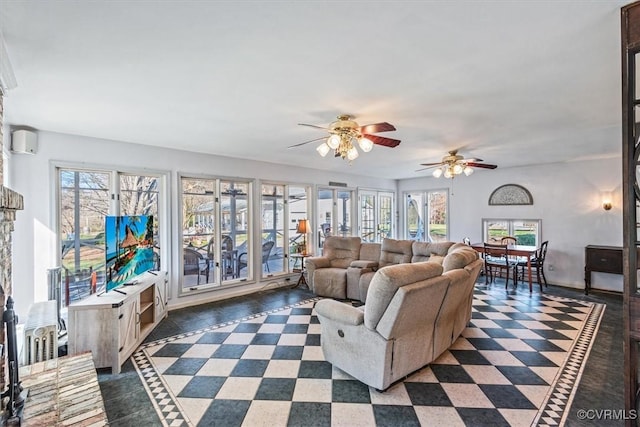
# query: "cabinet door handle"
[[157, 300], [137, 318]]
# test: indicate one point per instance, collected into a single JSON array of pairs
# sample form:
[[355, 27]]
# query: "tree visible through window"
[[85, 199], [431, 204]]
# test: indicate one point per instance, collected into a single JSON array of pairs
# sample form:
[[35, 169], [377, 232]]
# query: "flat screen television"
[[128, 248]]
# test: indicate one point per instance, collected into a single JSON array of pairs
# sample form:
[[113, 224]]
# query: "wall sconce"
[[606, 200]]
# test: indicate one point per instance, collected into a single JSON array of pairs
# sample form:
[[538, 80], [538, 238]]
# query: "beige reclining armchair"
[[380, 343], [327, 274]]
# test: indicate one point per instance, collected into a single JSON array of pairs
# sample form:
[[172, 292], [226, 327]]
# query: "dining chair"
[[497, 260], [537, 262], [509, 240]]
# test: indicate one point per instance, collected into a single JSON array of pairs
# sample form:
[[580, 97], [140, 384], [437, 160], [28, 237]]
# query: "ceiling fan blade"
[[473, 160], [306, 142], [377, 127], [431, 164], [313, 126], [481, 165], [381, 140]]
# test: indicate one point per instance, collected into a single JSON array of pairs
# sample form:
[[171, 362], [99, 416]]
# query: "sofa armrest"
[[354, 273], [312, 264], [318, 262], [340, 312], [363, 263]]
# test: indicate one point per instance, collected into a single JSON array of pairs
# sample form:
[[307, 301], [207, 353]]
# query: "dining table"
[[516, 250]]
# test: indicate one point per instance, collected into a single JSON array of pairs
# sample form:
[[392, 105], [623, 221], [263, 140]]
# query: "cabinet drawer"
[[605, 261]]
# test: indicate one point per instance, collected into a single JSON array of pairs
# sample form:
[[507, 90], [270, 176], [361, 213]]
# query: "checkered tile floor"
[[517, 363]]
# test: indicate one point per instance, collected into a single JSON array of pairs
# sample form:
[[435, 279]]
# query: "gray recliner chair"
[[327, 274]]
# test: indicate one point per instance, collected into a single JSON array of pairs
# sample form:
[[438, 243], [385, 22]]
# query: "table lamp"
[[303, 228]]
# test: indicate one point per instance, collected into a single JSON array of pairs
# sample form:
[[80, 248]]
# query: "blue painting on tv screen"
[[129, 248]]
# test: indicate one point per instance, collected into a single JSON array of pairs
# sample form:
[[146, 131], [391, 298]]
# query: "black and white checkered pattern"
[[268, 369]]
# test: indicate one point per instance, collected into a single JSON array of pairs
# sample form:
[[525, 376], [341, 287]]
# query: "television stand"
[[113, 324]]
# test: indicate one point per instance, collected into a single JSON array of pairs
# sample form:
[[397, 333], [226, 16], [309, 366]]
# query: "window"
[[376, 215], [216, 247], [198, 232], [273, 233], [280, 218], [85, 197], [434, 205], [527, 231], [299, 197], [334, 213], [235, 215]]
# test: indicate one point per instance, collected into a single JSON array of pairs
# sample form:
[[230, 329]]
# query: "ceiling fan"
[[346, 133], [455, 164]]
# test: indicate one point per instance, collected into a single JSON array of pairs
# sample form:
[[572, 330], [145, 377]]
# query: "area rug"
[[518, 363]]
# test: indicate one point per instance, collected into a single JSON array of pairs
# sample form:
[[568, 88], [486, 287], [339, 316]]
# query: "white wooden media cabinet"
[[113, 324]]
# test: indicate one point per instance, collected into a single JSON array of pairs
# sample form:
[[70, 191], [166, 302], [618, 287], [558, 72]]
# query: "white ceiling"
[[512, 82]]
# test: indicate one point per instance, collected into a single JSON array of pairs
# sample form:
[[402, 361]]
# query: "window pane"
[[367, 217], [198, 231], [344, 213], [495, 230], [298, 210], [139, 196], [438, 216], [385, 217], [272, 214], [236, 250], [325, 215], [414, 225], [84, 202], [526, 232]]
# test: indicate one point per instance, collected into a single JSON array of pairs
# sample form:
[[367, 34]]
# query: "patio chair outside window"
[[195, 263]]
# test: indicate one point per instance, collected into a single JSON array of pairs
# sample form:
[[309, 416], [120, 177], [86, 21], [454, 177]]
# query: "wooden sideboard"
[[602, 259]]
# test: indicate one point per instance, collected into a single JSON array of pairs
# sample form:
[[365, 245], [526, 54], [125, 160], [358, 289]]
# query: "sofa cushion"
[[370, 251], [386, 282], [423, 251], [420, 251], [436, 258], [440, 248], [459, 258], [342, 251], [395, 252]]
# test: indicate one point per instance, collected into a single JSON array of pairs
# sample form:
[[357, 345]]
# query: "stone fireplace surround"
[[10, 202]]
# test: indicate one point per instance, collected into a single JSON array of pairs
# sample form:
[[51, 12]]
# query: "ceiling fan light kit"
[[346, 135], [454, 164]]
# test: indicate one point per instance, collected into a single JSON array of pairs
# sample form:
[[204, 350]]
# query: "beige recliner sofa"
[[413, 313], [327, 275], [347, 266]]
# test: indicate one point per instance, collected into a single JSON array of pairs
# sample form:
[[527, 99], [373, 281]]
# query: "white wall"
[[566, 197], [35, 248]]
